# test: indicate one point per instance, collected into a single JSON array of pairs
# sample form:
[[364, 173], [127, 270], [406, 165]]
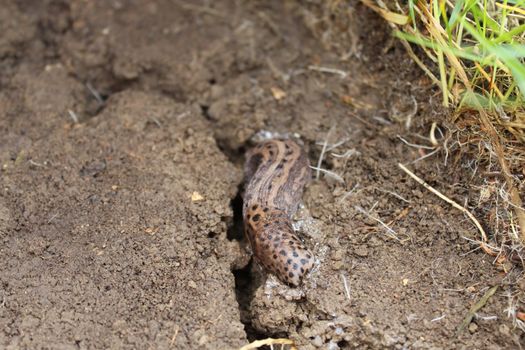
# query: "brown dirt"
[[103, 245]]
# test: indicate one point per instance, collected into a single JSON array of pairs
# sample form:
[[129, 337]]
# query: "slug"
[[276, 172]]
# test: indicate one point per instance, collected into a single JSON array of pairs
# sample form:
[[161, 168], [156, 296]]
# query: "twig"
[[156, 121], [483, 245], [449, 201], [321, 156], [329, 173], [32, 162], [52, 218], [347, 194], [433, 140], [73, 116], [95, 93], [342, 73], [334, 145], [174, 335], [471, 251], [413, 144], [182, 115], [381, 120], [393, 194], [426, 156], [505, 195], [391, 232], [347, 154], [347, 291], [476, 307], [412, 113], [337, 144], [269, 341], [438, 318]]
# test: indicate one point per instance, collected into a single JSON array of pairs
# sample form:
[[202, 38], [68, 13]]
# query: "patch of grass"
[[477, 45], [475, 53]]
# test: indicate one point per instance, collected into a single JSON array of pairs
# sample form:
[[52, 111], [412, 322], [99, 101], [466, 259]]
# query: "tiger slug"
[[276, 172]]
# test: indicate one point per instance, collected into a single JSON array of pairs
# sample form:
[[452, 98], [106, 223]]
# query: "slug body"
[[276, 173]]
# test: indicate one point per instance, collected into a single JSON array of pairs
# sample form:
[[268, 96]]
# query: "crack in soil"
[[235, 229], [246, 281], [248, 278], [244, 293]]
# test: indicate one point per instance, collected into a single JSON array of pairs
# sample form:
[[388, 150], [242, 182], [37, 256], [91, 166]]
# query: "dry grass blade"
[[438, 32], [269, 341], [389, 231], [477, 50], [476, 307], [388, 15], [454, 204]]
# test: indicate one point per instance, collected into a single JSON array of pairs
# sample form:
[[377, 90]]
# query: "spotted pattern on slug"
[[276, 172]]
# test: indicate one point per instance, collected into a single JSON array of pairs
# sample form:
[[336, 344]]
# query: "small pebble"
[[472, 327], [338, 255], [317, 341], [338, 265], [333, 346], [204, 340], [504, 330], [216, 91], [219, 209], [361, 251]]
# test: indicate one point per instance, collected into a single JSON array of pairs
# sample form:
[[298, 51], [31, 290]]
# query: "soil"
[[123, 127]]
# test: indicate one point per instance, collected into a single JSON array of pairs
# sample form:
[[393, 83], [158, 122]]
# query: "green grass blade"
[[517, 2], [516, 67], [411, 13], [456, 14], [467, 53], [510, 35]]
